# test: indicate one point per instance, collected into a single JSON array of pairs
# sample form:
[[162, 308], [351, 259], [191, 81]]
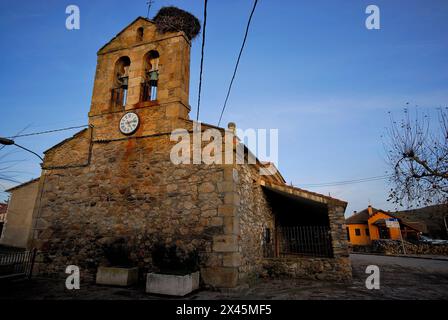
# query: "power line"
[[346, 182], [238, 61], [48, 131], [202, 58], [339, 183]]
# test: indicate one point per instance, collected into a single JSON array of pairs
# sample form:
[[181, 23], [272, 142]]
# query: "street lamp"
[[9, 142]]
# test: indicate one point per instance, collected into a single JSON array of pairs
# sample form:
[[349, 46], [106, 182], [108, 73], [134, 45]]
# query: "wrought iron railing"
[[311, 241], [15, 264]]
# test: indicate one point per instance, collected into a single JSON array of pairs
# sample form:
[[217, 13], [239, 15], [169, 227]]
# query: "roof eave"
[[22, 185]]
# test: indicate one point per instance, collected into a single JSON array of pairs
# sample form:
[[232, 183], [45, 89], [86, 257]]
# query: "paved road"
[[400, 278], [424, 265]]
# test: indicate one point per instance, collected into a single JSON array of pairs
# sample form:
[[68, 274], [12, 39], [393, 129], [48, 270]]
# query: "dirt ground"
[[400, 278]]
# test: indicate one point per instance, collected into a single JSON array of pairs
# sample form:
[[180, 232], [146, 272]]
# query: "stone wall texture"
[[174, 67], [395, 247], [131, 189], [337, 269], [255, 215]]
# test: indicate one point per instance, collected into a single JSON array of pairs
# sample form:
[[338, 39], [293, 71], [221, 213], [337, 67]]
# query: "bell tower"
[[141, 71]]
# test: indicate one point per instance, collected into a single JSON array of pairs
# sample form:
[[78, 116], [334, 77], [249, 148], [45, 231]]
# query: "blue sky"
[[310, 69]]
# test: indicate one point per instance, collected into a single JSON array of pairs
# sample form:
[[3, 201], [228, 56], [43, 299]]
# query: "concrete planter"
[[117, 276], [173, 285]]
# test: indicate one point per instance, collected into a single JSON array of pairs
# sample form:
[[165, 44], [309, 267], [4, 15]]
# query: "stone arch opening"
[[121, 82], [151, 76]]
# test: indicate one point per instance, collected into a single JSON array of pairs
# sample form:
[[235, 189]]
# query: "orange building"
[[370, 224]]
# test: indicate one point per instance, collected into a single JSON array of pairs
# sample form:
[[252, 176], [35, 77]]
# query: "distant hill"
[[432, 216]]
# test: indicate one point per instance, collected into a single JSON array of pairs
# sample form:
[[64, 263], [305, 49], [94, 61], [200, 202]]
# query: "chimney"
[[232, 127], [369, 208]]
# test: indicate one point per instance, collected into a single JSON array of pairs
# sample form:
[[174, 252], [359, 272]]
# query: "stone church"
[[115, 179]]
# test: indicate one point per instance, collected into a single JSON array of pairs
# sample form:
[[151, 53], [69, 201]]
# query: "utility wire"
[[238, 61], [202, 58], [45, 132], [346, 182]]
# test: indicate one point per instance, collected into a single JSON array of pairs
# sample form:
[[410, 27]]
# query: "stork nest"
[[172, 19]]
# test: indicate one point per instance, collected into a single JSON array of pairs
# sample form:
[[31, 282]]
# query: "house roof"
[[363, 216], [22, 185], [247, 151], [402, 221], [66, 140], [358, 218], [301, 193], [417, 225], [3, 208]]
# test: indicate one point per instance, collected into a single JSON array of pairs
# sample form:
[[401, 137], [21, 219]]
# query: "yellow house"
[[370, 224]]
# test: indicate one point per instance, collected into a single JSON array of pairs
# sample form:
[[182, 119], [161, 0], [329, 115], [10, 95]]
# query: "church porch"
[[308, 239]]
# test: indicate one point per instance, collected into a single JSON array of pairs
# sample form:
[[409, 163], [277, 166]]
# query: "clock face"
[[129, 123]]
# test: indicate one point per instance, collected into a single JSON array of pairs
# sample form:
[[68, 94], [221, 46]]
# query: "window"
[[151, 77], [121, 79], [140, 34], [384, 232], [358, 232], [348, 234], [367, 232]]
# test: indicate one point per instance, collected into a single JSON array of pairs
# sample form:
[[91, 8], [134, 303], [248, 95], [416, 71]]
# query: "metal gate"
[[17, 264], [311, 241]]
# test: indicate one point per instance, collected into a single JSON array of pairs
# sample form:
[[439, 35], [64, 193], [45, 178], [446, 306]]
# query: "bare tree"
[[417, 153], [7, 174]]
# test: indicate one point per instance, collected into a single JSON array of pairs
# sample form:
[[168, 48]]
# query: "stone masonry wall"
[[336, 269], [395, 247], [340, 264], [255, 215], [174, 67], [132, 190]]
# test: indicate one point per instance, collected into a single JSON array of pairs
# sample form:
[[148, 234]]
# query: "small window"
[[358, 232], [140, 34], [367, 232], [348, 234]]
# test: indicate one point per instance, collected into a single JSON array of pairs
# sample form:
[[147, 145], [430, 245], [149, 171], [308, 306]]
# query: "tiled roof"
[[362, 217], [312, 196], [358, 218]]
